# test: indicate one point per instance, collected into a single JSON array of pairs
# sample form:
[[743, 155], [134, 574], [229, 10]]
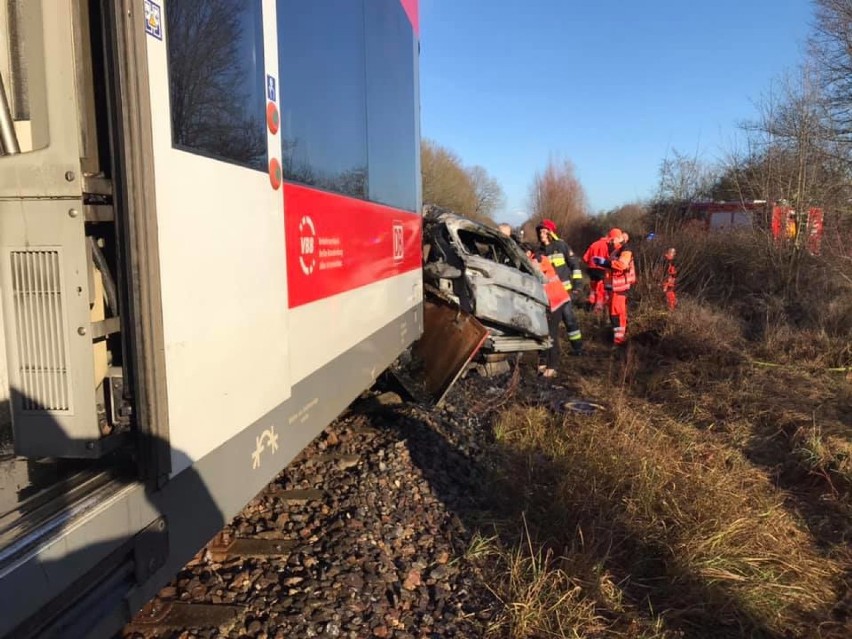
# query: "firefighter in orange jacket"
[[557, 297], [567, 267], [621, 275], [598, 295], [670, 278]]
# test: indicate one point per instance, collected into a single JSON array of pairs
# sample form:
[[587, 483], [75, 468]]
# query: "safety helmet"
[[614, 235], [548, 224]]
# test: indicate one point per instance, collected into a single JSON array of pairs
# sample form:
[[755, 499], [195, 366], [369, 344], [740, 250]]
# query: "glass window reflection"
[[391, 107], [323, 95], [348, 98], [216, 79]]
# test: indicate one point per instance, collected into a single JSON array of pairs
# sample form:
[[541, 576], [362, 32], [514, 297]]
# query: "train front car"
[[210, 244]]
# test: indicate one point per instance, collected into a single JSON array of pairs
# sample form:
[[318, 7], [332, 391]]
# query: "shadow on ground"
[[460, 458]]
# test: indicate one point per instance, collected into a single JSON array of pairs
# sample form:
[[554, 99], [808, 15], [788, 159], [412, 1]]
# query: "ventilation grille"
[[37, 295]]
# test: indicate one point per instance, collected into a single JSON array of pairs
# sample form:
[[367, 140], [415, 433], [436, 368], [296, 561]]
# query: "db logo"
[[307, 245], [398, 243]]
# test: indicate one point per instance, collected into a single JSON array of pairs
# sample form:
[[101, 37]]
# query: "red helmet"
[[548, 224], [614, 234]]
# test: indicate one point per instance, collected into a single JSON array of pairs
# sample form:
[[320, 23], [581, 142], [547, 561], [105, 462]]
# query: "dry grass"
[[825, 454], [714, 498], [701, 535], [539, 594]]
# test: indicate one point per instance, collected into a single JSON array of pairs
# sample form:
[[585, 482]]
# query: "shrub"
[[776, 292]]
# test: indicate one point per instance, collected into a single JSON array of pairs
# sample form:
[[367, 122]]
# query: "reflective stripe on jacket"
[[622, 271], [564, 260]]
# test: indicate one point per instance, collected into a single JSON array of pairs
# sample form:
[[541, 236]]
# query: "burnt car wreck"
[[484, 299], [487, 275]]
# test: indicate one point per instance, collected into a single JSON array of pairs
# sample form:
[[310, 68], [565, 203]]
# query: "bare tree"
[[684, 178], [831, 48], [447, 183], [790, 152], [489, 193], [557, 194]]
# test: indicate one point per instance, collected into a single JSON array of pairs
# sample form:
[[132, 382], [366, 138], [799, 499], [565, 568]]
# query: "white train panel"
[[323, 330]]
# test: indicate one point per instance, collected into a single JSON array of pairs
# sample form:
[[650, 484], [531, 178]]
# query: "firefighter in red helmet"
[[567, 267], [620, 276]]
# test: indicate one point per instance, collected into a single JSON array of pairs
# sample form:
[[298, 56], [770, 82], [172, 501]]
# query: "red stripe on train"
[[337, 243], [412, 11]]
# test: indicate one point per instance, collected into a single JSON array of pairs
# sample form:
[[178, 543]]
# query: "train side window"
[[216, 79], [323, 94], [391, 105]]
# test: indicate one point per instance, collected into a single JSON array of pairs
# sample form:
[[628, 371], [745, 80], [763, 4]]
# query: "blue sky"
[[612, 85]]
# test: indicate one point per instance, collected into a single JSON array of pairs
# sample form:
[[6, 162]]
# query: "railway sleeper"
[[295, 496], [158, 614], [224, 546]]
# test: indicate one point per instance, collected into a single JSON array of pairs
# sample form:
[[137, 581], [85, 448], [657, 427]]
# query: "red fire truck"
[[802, 228]]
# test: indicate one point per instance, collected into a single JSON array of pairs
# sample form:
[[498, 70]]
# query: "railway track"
[[363, 535]]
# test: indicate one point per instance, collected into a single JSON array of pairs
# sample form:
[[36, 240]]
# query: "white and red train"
[[210, 244]]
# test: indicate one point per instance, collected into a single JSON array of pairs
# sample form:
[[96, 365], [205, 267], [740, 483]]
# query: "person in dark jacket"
[[568, 269]]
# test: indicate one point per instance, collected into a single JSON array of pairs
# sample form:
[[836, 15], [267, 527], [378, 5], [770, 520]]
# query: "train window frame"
[[321, 71], [382, 28], [255, 96], [392, 148]]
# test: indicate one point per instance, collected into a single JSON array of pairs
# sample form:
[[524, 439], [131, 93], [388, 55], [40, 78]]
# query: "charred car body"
[[487, 275], [484, 299]]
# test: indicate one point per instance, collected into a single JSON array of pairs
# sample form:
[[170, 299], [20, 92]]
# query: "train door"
[[217, 162]]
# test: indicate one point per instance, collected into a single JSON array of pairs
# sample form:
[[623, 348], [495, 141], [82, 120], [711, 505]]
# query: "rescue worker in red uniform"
[[568, 269], [598, 295], [670, 278], [621, 275], [557, 297]]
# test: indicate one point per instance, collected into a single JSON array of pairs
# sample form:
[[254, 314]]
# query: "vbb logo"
[[398, 242], [307, 245]]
